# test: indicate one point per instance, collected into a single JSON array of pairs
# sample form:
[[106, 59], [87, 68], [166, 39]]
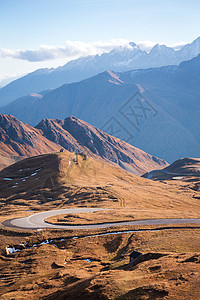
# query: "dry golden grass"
[[60, 183], [62, 272], [46, 270], [181, 167], [117, 215]]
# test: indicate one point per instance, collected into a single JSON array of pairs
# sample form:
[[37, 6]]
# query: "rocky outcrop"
[[74, 134]]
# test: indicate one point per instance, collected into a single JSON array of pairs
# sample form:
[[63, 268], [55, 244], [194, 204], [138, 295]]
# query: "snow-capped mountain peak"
[[124, 58]]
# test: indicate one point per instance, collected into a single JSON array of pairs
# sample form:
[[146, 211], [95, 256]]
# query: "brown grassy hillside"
[[19, 140], [181, 169], [96, 267], [75, 134], [52, 264], [55, 181]]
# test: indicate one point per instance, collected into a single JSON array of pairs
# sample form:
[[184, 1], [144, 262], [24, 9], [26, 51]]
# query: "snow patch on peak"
[[36, 95], [114, 78], [140, 88], [115, 82], [158, 47]]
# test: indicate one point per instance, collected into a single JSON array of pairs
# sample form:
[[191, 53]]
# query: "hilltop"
[[118, 60], [156, 110], [74, 134], [59, 264], [57, 181], [19, 140], [185, 169]]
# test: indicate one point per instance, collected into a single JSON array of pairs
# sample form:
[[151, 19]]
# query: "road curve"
[[37, 221]]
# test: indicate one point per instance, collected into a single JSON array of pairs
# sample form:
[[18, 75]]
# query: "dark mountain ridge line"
[[19, 140], [93, 141], [85, 67], [74, 135], [173, 92]]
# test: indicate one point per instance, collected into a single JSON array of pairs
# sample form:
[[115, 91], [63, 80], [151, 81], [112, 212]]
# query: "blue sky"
[[86, 26]]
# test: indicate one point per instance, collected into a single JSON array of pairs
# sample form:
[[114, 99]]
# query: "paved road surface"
[[37, 221]]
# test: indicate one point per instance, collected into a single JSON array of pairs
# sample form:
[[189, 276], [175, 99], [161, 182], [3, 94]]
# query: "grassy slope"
[[181, 167], [60, 183], [62, 272]]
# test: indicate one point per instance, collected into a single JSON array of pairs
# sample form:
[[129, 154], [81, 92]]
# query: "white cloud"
[[69, 50], [146, 45], [178, 46], [72, 49]]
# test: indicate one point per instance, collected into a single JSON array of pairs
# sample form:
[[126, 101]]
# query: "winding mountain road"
[[37, 220]]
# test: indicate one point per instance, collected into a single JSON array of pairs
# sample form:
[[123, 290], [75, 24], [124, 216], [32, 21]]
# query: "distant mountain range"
[[7, 80], [156, 110], [118, 60], [21, 140]]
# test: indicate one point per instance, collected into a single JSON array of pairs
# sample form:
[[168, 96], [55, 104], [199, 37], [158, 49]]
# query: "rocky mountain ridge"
[[118, 60], [19, 140]]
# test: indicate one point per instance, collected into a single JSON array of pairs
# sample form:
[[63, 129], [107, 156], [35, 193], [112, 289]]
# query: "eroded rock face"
[[21, 140], [74, 134]]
